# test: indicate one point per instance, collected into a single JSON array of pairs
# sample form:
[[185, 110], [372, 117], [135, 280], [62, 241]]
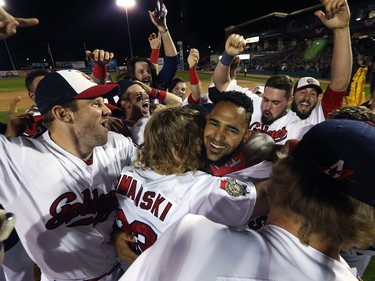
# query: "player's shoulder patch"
[[233, 187]]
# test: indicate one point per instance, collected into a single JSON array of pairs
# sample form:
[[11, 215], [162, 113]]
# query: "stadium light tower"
[[127, 4]]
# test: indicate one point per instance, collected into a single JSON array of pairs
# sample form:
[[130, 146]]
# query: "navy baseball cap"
[[343, 150], [61, 86], [124, 85]]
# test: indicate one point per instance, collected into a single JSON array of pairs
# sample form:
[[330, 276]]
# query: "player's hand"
[[337, 14], [155, 40], [9, 24], [100, 57], [120, 241], [146, 87], [18, 122], [160, 23], [235, 45], [193, 58], [7, 221]]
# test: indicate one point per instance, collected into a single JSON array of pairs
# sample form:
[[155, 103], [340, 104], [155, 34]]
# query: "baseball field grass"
[[13, 87]]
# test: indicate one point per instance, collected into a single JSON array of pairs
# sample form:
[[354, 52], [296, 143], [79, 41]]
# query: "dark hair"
[[31, 76], [281, 82], [239, 99], [174, 82], [130, 65]]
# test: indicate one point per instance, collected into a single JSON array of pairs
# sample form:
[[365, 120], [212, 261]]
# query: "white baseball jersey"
[[151, 202], [290, 126], [64, 207], [198, 249], [137, 130]]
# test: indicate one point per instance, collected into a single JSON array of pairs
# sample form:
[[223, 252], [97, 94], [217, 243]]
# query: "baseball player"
[[306, 92], [61, 185], [324, 205], [164, 183]]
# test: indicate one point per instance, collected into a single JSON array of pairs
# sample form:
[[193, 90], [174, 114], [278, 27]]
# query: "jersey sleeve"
[[331, 101], [168, 71], [224, 200], [11, 153]]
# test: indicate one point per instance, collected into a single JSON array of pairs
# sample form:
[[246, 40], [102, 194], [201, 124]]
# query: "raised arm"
[[195, 83], [168, 45], [17, 122], [234, 46], [155, 44], [171, 60], [336, 18], [101, 59], [167, 98]]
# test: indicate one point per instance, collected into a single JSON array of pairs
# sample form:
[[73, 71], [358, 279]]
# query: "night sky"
[[68, 25]]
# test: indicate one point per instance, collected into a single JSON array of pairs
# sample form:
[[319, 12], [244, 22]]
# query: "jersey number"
[[143, 233]]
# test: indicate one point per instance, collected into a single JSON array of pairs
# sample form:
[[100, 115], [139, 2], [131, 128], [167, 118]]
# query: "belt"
[[105, 274]]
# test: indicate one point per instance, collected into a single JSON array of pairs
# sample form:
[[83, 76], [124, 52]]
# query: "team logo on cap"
[[311, 81], [87, 77], [233, 188], [337, 171]]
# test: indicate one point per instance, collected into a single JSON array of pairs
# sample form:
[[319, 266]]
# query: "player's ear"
[[126, 104], [246, 136], [61, 113], [290, 100]]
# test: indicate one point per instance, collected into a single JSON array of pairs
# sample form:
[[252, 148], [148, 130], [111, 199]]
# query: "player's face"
[[143, 72], [89, 123], [304, 102], [180, 90], [274, 105], [34, 84], [226, 128], [139, 102]]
